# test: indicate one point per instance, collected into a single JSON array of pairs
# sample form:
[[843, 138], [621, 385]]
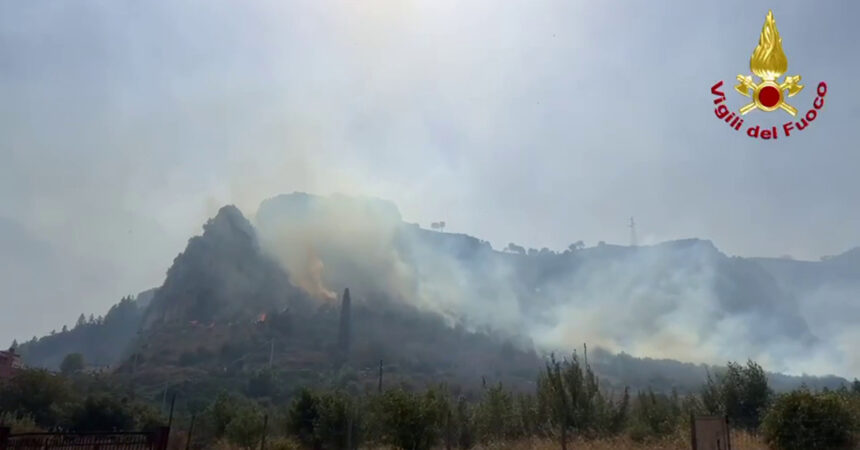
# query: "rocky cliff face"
[[221, 273]]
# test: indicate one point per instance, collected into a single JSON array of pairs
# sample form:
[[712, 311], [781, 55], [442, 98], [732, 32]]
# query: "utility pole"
[[190, 432], [265, 429], [271, 354], [164, 398], [380, 377], [632, 232], [170, 416]]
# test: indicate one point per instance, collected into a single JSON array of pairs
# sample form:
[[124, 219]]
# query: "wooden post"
[[349, 431], [265, 426], [170, 416], [161, 436], [693, 430], [4, 437], [190, 432], [728, 434], [163, 398], [448, 429], [380, 377]]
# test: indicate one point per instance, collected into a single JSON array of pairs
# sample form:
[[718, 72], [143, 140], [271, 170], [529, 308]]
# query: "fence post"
[[728, 434], [161, 436], [190, 432], [170, 416], [265, 426], [4, 437], [693, 430]]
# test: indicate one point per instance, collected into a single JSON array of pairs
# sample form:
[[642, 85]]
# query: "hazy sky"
[[124, 125]]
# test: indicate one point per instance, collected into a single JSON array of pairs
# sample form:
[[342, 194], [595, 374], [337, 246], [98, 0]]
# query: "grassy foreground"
[[740, 441]]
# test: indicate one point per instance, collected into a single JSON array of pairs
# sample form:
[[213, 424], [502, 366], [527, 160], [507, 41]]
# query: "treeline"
[[37, 400], [568, 405], [101, 340]]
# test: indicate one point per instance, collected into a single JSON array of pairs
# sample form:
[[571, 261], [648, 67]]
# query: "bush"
[[246, 427], [19, 424], [654, 416], [283, 444], [802, 420], [301, 417], [221, 412], [495, 416], [569, 400], [406, 420], [101, 412], [36, 393], [336, 426]]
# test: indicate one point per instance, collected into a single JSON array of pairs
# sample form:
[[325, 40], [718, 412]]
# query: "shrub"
[[101, 412], [283, 444], [301, 417], [246, 427], [19, 424], [336, 426], [569, 399], [495, 416], [408, 421], [36, 393], [654, 416], [802, 420]]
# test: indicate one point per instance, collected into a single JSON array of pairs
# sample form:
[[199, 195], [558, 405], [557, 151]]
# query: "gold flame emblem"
[[768, 62]]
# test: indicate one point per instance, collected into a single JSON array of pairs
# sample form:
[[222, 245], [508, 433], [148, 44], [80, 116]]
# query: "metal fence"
[[128, 440]]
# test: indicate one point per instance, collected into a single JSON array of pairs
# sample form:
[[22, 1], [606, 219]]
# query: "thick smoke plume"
[[683, 299]]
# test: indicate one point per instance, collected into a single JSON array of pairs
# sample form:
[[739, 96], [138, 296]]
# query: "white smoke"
[[681, 300]]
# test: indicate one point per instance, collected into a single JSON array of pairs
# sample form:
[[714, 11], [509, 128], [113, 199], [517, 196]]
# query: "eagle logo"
[[768, 62]]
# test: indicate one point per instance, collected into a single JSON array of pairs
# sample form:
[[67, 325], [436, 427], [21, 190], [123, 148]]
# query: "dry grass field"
[[740, 441]]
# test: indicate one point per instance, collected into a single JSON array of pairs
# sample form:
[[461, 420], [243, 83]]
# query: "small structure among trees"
[[10, 363], [514, 248], [439, 226]]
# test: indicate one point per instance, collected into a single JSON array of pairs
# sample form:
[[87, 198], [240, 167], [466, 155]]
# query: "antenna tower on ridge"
[[632, 232]]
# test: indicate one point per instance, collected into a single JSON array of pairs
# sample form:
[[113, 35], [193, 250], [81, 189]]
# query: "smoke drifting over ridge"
[[682, 299], [126, 124]]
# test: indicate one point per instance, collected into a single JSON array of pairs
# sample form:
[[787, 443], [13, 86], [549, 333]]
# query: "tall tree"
[[344, 331], [742, 393]]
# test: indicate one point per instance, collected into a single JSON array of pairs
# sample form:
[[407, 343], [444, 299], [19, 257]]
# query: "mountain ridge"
[[238, 270]]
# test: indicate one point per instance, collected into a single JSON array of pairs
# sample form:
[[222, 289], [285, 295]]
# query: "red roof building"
[[10, 362]]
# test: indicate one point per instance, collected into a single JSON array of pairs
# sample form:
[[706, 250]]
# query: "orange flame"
[[768, 61], [314, 282]]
